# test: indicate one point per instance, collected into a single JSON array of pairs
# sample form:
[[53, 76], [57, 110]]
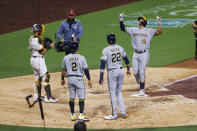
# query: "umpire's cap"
[[111, 38], [74, 46]]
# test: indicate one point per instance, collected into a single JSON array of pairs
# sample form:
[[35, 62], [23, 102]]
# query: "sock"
[[142, 84], [81, 106], [72, 106]]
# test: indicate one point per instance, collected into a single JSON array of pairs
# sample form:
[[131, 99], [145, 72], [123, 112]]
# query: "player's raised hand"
[[122, 15], [158, 19]]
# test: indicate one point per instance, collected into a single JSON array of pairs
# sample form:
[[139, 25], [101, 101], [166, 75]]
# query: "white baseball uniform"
[[113, 55], [37, 60], [74, 64], [141, 39]]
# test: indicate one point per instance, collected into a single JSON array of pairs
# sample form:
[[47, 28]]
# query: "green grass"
[[23, 128], [174, 45]]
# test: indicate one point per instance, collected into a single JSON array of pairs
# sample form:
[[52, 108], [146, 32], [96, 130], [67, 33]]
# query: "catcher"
[[194, 25], [38, 48]]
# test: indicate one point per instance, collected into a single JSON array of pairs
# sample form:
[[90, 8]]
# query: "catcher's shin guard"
[[48, 91]]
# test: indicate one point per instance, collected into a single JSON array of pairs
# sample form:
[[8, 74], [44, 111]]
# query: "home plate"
[[137, 95]]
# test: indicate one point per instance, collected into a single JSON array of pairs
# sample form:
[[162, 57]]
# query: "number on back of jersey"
[[74, 66], [116, 57]]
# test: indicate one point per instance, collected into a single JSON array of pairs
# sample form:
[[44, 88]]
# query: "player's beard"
[[71, 21]]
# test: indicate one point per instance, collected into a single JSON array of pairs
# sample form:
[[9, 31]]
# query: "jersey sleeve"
[[35, 44], [85, 65], [123, 53], [129, 30], [104, 55], [64, 63]]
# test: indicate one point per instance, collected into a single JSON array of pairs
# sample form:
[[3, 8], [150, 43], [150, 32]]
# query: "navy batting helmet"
[[145, 20], [74, 46], [111, 38]]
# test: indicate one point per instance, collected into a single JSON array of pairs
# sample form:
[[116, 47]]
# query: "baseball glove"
[[47, 41]]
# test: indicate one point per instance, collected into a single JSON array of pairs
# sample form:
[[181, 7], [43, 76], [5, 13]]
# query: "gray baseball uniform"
[[74, 64], [113, 55], [141, 39]]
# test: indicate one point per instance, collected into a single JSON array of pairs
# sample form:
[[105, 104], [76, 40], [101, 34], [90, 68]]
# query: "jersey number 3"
[[74, 66], [116, 57]]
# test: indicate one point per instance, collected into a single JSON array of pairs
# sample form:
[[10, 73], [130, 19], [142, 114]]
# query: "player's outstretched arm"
[[159, 29], [122, 26]]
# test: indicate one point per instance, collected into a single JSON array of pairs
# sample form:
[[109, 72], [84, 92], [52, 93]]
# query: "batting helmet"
[[111, 38], [145, 20], [73, 47], [70, 12]]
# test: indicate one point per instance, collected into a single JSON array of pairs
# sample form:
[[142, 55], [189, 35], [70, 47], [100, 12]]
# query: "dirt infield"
[[20, 14], [177, 102]]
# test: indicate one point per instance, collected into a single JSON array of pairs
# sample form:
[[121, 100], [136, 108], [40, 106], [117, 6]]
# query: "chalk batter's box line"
[[171, 83]]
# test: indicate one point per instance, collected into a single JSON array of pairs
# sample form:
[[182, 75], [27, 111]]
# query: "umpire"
[[194, 25], [71, 28]]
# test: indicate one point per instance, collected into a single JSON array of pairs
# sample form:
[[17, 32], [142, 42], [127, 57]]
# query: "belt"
[[38, 56], [74, 75], [140, 51], [114, 68]]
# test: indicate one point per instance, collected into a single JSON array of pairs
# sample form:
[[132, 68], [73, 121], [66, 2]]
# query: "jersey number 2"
[[74, 66], [116, 57]]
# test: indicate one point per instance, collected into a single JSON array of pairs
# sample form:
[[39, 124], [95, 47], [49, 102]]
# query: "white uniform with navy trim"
[[113, 55], [37, 60], [141, 39], [74, 64]]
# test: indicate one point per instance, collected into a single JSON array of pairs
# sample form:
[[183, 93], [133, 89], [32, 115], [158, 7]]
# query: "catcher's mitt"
[[47, 41]]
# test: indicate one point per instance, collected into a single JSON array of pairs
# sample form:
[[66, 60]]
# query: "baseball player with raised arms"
[[112, 56], [73, 66], [141, 37], [42, 77]]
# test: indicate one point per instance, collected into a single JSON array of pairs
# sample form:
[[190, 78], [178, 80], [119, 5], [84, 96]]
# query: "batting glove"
[[122, 16], [158, 19]]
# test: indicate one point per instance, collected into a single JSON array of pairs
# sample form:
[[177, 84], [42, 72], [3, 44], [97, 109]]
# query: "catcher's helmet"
[[70, 12], [37, 28], [145, 20], [73, 47], [111, 38]]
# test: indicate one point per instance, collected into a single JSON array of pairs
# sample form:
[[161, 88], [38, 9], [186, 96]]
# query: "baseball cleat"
[[142, 93], [35, 97], [50, 100], [82, 117], [110, 117], [123, 116], [73, 117]]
